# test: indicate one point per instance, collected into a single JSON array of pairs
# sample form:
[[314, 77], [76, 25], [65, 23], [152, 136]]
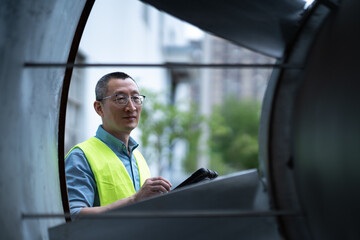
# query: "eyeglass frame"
[[127, 99]]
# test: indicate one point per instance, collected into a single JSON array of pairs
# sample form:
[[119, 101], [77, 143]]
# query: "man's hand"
[[153, 186]]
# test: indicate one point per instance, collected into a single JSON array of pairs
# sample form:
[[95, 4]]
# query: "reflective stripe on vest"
[[112, 180]]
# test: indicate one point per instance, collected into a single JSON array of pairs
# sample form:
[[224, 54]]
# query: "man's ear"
[[99, 108]]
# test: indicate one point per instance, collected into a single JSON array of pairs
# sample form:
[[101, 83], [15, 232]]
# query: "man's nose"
[[130, 106]]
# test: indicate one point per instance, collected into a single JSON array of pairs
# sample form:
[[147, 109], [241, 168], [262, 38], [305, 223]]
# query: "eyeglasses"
[[124, 99]]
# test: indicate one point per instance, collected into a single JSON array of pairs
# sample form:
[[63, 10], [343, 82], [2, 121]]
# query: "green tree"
[[191, 122], [162, 125], [233, 135]]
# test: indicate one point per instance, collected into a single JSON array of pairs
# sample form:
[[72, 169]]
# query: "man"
[[107, 171]]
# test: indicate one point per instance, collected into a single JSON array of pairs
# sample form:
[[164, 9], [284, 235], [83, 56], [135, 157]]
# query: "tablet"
[[198, 176]]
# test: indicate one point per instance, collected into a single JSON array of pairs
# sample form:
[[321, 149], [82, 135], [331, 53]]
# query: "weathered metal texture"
[[264, 26], [39, 30], [242, 192]]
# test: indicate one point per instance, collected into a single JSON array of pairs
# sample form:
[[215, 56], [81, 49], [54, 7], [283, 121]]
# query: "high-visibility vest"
[[112, 180]]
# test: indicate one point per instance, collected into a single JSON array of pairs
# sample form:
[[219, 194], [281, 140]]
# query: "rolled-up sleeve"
[[80, 182]]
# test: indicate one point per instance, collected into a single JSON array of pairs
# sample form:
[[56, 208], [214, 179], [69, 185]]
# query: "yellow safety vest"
[[112, 180]]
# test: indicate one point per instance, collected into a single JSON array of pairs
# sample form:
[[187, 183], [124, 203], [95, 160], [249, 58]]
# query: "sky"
[[193, 32]]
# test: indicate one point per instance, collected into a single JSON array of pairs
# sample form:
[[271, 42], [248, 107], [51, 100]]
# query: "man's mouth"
[[130, 117]]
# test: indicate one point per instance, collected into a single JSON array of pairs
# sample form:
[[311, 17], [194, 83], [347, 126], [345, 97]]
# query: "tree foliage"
[[162, 125], [233, 135]]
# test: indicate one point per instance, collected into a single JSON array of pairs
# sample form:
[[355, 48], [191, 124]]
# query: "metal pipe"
[[162, 65], [169, 214]]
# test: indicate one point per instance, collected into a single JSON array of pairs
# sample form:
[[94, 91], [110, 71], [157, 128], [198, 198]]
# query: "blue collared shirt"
[[80, 180]]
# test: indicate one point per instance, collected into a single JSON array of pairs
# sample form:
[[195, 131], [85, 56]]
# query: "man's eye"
[[121, 99], [136, 99]]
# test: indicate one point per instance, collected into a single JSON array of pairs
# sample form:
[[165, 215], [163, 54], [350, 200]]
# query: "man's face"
[[118, 119]]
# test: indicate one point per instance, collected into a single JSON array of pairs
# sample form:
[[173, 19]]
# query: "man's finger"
[[163, 179], [164, 184], [159, 188]]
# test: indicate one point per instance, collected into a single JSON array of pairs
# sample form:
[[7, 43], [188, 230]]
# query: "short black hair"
[[101, 86]]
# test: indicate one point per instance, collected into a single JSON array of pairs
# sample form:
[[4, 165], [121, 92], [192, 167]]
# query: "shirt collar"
[[112, 141]]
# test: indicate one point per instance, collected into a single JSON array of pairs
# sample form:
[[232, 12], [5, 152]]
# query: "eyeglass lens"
[[124, 99]]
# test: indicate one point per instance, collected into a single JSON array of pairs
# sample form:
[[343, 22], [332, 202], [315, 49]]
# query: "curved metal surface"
[[63, 102], [241, 192], [309, 129], [264, 26], [327, 129], [39, 30], [276, 128]]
